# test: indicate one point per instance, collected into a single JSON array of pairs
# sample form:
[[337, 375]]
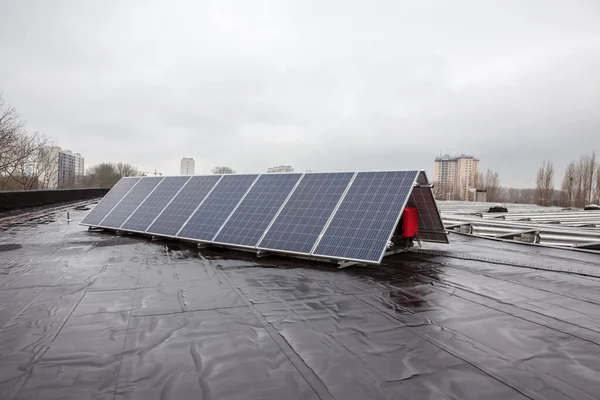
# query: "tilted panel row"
[[305, 214], [367, 216], [130, 203], [347, 216], [216, 208], [255, 212], [151, 208], [109, 201], [181, 207]]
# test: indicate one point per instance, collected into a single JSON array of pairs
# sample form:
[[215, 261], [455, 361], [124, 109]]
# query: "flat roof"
[[94, 315]]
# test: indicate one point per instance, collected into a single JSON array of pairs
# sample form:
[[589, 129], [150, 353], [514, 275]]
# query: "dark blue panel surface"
[[130, 202], [304, 216], [109, 201], [213, 212], [141, 219], [181, 208], [254, 214], [364, 221]]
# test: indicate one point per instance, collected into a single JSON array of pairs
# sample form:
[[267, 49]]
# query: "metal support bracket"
[[262, 253], [346, 264], [465, 227], [511, 235]]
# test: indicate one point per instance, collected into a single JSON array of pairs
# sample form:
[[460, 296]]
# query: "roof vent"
[[496, 208]]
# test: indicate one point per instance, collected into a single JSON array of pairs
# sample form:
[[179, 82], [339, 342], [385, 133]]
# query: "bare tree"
[[34, 167], [545, 183], [223, 170], [585, 172], [22, 154], [124, 169], [569, 184], [11, 132], [443, 191], [438, 190], [108, 174], [591, 172], [491, 183], [597, 186]]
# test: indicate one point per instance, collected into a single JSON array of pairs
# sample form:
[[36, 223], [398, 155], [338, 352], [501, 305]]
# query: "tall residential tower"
[[64, 169], [454, 176], [188, 166]]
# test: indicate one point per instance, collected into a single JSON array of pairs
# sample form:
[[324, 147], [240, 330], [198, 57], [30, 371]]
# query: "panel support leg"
[[262, 253], [346, 264]]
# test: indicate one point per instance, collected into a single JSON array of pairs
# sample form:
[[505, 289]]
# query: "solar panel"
[[216, 208], [305, 214], [130, 202], [346, 216], [365, 219], [109, 201], [141, 219], [183, 205], [431, 228], [254, 214]]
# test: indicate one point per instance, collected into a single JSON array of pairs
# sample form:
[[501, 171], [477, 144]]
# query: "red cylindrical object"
[[410, 222]]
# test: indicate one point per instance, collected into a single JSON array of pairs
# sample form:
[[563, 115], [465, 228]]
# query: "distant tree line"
[[25, 159], [222, 170], [581, 183], [580, 186], [545, 184], [106, 175]]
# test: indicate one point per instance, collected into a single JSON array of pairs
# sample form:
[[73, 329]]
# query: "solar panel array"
[[256, 211], [109, 201], [345, 215], [141, 219], [367, 216], [130, 203], [304, 216], [216, 208]]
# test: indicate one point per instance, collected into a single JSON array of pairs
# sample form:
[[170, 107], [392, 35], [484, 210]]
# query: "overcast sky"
[[321, 85]]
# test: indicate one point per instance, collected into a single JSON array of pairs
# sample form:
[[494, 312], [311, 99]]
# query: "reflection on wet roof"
[[92, 315]]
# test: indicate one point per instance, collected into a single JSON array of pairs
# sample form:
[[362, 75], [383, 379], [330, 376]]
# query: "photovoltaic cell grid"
[[130, 202], [109, 201], [431, 228], [217, 206], [183, 205], [141, 219], [366, 217], [254, 214], [237, 209], [305, 214]]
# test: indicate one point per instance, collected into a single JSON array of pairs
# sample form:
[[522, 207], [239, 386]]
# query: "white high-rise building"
[[281, 168], [188, 166], [64, 169]]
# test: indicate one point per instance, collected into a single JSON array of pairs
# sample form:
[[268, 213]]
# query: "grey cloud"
[[326, 85]]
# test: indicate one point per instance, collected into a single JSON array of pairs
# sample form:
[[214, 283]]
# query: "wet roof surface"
[[91, 315]]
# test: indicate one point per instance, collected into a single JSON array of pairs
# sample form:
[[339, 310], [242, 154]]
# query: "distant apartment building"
[[64, 169], [188, 166], [281, 168], [455, 176]]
